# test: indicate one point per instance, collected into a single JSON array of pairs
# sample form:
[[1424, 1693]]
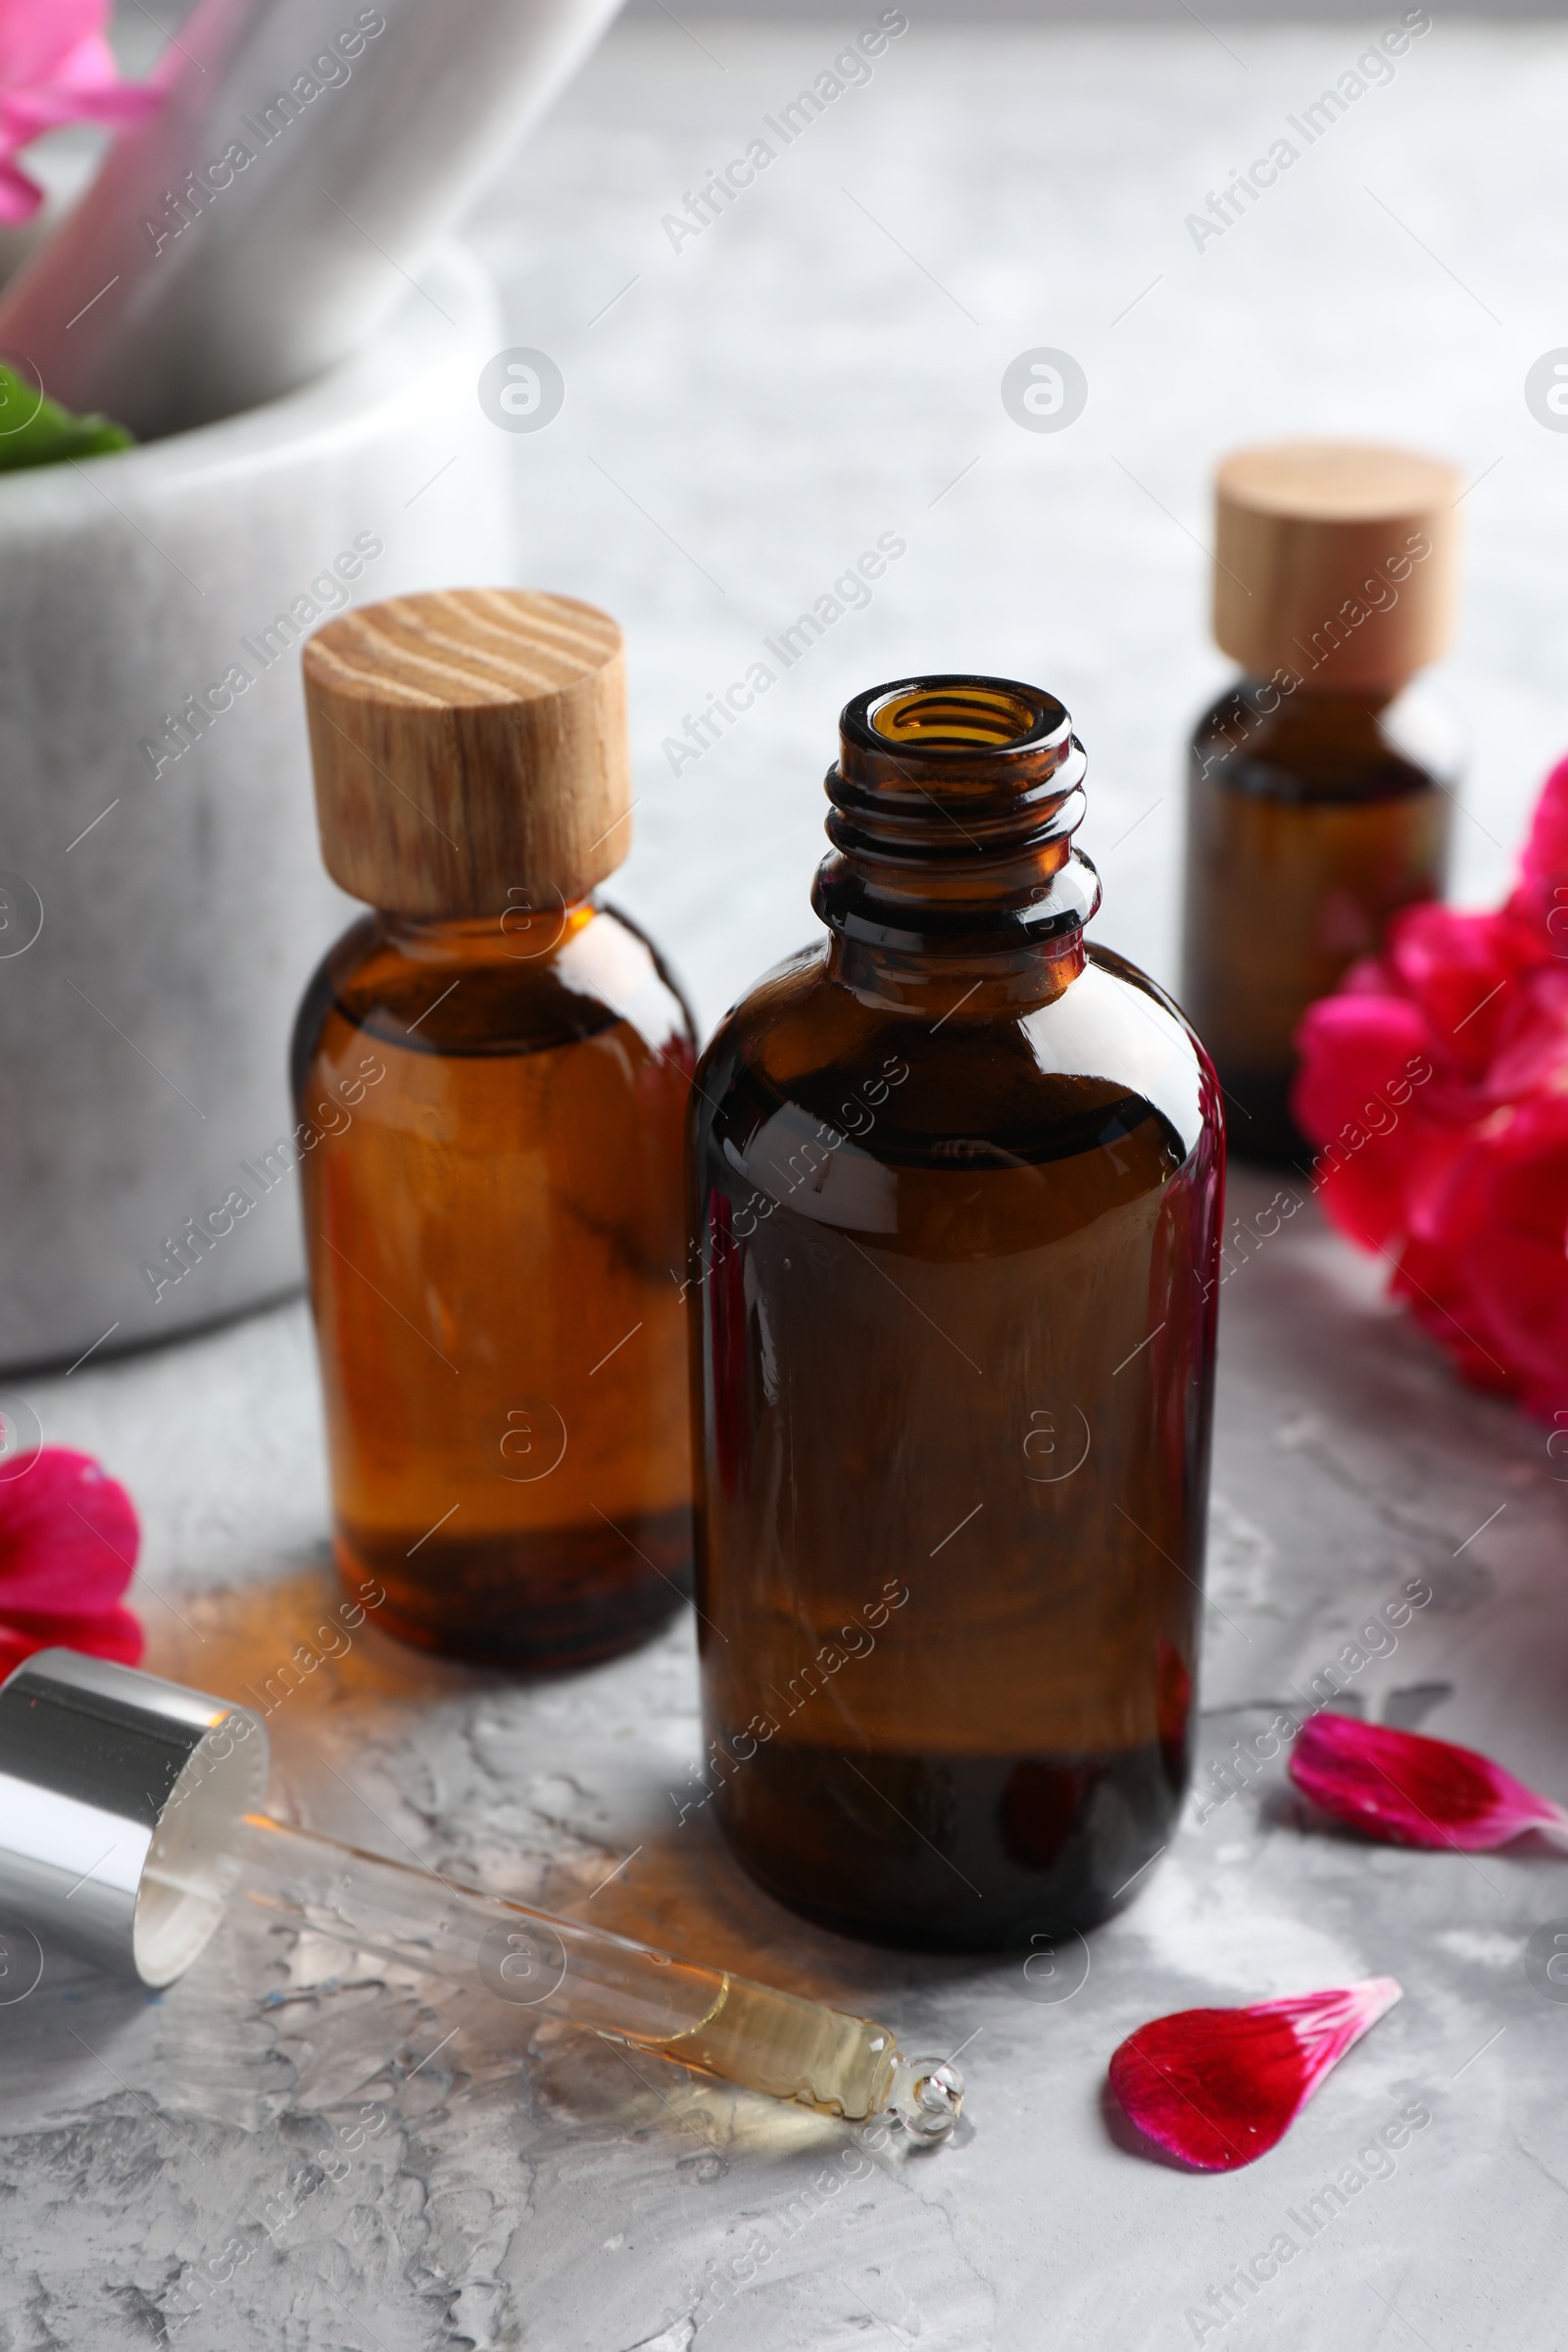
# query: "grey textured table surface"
[[742, 418]]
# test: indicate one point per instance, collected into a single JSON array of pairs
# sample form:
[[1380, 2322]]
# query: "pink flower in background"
[[69, 1539], [55, 68], [1436, 1084]]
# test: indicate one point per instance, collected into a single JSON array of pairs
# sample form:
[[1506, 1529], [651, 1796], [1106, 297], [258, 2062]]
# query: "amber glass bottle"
[[1320, 785], [956, 1198], [505, 1064]]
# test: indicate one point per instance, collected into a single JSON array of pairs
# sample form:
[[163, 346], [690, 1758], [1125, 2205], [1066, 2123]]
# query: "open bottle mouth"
[[952, 804], [956, 712]]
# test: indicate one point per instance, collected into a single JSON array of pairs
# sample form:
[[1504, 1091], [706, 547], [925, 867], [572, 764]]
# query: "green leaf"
[[37, 431]]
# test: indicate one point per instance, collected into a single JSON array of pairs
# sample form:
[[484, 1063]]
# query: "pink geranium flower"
[[55, 68], [69, 1539], [1437, 1083]]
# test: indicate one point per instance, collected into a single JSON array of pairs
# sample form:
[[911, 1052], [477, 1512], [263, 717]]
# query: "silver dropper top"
[[113, 1786], [129, 1813]]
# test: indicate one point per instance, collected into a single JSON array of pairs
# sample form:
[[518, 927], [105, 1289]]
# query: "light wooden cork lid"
[[1335, 560], [469, 743]]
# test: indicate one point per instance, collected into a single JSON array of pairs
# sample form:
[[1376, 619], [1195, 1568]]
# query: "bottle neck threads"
[[955, 800]]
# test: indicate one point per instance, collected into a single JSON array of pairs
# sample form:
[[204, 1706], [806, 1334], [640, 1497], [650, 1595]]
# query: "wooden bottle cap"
[[467, 744], [1335, 561]]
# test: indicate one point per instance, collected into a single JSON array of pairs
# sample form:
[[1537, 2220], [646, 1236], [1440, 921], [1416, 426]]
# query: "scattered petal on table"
[[1413, 1790], [69, 1539], [1219, 2088]]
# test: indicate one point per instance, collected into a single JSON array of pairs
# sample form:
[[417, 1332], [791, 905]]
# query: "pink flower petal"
[[56, 68], [1458, 967], [38, 35], [1351, 1046], [1412, 1790], [116, 1634], [69, 1539], [25, 113], [1353, 1091], [1460, 1177], [1219, 2088], [1531, 1046], [1430, 1284]]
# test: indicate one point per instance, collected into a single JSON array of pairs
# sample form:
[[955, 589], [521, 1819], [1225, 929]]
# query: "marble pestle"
[[266, 218]]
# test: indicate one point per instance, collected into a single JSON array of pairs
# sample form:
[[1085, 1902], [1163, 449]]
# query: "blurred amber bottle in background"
[[1319, 790], [958, 1184], [490, 1240]]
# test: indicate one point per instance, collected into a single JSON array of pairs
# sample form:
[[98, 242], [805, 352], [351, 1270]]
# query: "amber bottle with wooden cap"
[[503, 1063], [957, 1199], [1320, 784]]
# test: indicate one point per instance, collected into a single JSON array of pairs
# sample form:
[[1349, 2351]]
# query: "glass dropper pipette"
[[129, 1814], [706, 2017]]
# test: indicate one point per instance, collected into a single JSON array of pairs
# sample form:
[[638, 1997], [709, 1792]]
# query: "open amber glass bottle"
[[505, 1064], [957, 1188], [1320, 784]]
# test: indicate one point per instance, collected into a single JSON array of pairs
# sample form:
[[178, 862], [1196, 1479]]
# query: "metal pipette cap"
[[119, 1794]]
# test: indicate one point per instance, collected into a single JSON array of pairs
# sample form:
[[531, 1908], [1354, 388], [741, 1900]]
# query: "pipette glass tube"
[[703, 2016], [129, 1815]]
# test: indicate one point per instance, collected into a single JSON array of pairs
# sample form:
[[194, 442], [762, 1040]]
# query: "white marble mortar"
[[143, 1031]]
